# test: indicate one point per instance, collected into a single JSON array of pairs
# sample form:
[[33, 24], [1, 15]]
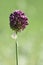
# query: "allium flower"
[[18, 20]]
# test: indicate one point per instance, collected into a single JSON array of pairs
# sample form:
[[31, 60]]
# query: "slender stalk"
[[16, 54]]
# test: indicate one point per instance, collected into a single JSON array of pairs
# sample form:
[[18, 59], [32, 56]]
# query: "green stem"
[[16, 54]]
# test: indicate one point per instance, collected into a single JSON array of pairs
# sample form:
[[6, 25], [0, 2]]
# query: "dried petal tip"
[[18, 20], [14, 36]]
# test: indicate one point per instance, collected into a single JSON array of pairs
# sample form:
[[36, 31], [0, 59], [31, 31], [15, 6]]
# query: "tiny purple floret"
[[18, 20]]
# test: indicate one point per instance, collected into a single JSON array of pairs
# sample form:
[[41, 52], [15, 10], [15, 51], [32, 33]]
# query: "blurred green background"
[[30, 41]]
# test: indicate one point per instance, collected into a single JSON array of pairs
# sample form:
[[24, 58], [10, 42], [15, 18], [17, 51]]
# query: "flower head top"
[[18, 20]]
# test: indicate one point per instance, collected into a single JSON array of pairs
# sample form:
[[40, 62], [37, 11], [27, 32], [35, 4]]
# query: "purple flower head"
[[18, 20]]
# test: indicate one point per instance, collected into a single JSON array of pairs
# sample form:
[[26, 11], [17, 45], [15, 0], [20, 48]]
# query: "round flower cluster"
[[18, 20]]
